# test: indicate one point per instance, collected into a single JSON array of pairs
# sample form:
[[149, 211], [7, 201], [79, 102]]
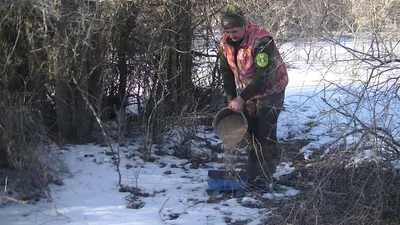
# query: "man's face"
[[235, 33]]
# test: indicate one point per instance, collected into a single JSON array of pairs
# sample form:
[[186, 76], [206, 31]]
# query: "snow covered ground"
[[172, 190]]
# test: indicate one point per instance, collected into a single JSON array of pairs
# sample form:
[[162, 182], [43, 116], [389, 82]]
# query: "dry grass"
[[337, 191]]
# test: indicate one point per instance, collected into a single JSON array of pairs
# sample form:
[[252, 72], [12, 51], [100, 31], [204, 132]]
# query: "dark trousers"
[[262, 116]]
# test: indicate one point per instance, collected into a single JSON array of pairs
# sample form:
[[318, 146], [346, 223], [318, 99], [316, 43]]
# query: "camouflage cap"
[[232, 16]]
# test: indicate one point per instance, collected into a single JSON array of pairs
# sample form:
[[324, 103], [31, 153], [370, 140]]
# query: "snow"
[[284, 168], [172, 190], [287, 192]]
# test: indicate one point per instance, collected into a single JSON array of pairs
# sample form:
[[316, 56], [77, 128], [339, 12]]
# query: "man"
[[254, 78]]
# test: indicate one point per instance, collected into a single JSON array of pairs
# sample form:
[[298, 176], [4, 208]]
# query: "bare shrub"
[[24, 142], [338, 191]]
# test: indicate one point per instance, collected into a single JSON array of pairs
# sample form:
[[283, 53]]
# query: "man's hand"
[[236, 104]]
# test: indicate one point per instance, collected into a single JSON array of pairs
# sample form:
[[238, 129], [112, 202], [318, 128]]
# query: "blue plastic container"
[[222, 181]]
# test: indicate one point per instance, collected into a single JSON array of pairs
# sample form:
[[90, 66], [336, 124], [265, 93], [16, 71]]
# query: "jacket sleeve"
[[228, 78], [263, 60]]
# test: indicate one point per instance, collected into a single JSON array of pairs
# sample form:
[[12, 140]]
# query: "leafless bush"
[[177, 130], [336, 190], [25, 144], [370, 107]]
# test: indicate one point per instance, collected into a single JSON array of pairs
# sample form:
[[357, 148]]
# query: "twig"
[[162, 207], [5, 186], [3, 196], [387, 138], [8, 59]]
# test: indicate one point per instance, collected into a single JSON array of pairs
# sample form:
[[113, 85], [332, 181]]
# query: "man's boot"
[[252, 167], [261, 166]]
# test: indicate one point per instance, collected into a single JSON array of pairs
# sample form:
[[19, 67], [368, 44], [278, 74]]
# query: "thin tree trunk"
[[123, 70], [63, 109], [62, 91]]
